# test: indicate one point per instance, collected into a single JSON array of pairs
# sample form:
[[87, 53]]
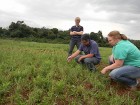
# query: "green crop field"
[[38, 74]]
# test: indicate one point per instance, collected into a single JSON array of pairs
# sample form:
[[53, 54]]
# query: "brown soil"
[[88, 85], [121, 89], [25, 93], [61, 102]]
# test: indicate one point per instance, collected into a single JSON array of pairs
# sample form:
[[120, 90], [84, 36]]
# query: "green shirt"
[[125, 50]]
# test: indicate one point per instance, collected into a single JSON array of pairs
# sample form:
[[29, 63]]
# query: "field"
[[38, 74]]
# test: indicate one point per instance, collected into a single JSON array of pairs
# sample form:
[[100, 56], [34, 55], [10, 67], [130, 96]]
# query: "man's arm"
[[76, 33], [73, 55], [72, 32], [87, 56], [79, 33]]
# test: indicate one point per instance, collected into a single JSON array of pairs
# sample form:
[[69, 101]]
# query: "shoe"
[[135, 88], [93, 69]]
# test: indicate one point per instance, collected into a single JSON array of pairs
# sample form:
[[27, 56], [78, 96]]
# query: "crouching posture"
[[91, 50], [125, 66]]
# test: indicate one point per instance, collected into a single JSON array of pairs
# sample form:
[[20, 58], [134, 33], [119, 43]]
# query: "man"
[[75, 32], [91, 50]]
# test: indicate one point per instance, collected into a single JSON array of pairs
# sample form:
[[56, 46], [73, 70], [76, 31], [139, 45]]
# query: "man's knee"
[[77, 57], [91, 60], [87, 60]]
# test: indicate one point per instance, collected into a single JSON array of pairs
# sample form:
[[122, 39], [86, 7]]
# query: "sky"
[[104, 15]]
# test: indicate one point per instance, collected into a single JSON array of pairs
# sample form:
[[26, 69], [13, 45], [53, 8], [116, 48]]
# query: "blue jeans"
[[126, 74], [90, 62], [73, 42]]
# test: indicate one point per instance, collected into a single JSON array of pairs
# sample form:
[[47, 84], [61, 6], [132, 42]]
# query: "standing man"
[[92, 55], [75, 32]]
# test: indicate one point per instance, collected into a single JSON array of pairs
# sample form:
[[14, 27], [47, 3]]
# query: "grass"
[[38, 74]]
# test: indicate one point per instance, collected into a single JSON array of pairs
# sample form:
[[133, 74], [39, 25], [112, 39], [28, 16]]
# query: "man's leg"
[[77, 58], [90, 62], [126, 74], [71, 47], [81, 62], [78, 43]]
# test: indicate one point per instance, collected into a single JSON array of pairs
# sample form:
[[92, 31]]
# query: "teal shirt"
[[125, 50]]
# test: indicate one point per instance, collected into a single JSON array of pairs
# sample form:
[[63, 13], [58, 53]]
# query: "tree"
[[1, 31], [55, 31], [20, 28], [94, 36], [51, 35], [16, 33], [44, 32], [100, 35]]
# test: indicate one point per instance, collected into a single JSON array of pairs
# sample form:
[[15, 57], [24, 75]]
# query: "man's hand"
[[74, 32], [80, 58], [69, 58]]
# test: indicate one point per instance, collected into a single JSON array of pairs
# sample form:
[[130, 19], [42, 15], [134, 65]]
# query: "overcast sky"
[[104, 15]]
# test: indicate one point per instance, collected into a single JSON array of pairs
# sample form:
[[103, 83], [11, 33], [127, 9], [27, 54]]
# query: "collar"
[[77, 26], [121, 41], [118, 42]]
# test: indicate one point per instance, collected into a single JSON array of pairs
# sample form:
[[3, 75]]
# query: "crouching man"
[[92, 55]]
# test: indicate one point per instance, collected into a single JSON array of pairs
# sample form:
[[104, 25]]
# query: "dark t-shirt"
[[77, 29], [91, 49]]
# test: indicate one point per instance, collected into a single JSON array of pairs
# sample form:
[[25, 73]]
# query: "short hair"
[[85, 37], [77, 18]]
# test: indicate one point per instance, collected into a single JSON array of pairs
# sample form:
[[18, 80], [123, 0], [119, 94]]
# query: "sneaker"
[[135, 88], [93, 69]]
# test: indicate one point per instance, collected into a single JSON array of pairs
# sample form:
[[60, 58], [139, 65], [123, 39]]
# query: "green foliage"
[[1, 31], [4, 87], [98, 37], [38, 74], [19, 30], [136, 43], [35, 96]]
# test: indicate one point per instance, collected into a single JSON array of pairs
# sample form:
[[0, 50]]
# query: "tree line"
[[19, 30]]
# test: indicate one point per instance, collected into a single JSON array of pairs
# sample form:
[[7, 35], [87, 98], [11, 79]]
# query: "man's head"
[[77, 21], [85, 39]]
